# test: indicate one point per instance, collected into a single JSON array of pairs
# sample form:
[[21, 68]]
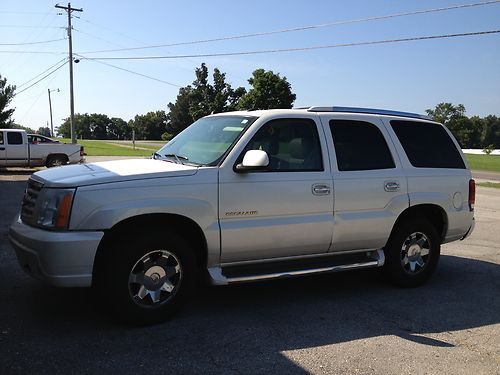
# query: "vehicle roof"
[[13, 130]]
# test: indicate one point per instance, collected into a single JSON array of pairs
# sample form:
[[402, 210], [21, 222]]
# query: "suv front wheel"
[[412, 253], [145, 280]]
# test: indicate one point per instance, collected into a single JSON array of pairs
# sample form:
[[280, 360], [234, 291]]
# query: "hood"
[[111, 171]]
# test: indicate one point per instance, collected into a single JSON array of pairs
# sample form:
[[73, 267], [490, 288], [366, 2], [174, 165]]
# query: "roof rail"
[[373, 111]]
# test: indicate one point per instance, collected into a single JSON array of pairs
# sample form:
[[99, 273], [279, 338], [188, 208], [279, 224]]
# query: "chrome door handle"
[[321, 189], [391, 186]]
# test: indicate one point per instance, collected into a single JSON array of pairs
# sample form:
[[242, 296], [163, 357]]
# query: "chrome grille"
[[29, 201]]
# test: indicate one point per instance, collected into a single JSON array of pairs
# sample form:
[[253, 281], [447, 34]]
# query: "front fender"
[[105, 217], [100, 207]]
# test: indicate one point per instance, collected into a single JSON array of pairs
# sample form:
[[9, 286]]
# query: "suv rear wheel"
[[145, 280], [412, 253]]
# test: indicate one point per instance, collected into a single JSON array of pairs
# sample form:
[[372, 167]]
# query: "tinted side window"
[[1, 138], [14, 138], [360, 146], [427, 145], [291, 144]]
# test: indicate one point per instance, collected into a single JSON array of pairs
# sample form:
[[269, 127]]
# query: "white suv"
[[247, 196]]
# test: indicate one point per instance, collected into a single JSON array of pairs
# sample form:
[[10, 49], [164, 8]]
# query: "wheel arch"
[[434, 213], [182, 225], [56, 155]]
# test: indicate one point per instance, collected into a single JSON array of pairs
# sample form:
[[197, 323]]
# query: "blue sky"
[[409, 76]]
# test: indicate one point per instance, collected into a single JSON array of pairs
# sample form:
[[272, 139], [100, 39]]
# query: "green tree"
[[81, 127], [491, 131], [268, 91], [43, 130], [119, 129], [476, 132], [96, 126], [202, 98], [179, 116], [446, 112], [201, 95], [150, 126], [6, 95]]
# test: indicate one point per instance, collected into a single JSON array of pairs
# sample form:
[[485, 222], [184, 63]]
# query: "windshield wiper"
[[177, 158]]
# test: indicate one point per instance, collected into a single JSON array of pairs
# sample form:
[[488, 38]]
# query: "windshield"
[[206, 140]]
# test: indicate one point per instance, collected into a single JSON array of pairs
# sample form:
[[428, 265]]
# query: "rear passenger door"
[[370, 188]]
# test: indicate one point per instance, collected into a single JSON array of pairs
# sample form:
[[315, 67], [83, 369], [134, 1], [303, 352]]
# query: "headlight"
[[55, 208]]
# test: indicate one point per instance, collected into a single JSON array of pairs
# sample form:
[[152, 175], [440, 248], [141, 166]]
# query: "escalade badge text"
[[241, 213]]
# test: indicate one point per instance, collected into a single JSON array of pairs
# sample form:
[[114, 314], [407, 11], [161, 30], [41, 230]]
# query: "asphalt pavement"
[[339, 323]]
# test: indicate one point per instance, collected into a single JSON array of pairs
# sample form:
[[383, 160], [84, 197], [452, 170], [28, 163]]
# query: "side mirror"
[[254, 160]]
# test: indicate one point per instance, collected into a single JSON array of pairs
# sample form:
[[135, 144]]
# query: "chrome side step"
[[373, 259]]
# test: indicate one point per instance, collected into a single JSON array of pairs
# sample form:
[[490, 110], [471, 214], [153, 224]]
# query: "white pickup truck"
[[17, 151]]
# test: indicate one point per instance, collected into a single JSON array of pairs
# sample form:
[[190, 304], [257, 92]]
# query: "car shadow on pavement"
[[244, 328]]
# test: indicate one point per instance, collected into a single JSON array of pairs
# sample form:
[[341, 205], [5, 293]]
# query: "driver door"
[[286, 210]]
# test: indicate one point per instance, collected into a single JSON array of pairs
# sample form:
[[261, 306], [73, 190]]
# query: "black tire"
[[406, 250], [122, 297], [56, 161]]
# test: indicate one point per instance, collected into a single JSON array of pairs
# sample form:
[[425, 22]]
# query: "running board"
[[277, 270]]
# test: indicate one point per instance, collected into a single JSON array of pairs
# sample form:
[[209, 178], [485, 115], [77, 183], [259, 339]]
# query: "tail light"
[[82, 151], [472, 194]]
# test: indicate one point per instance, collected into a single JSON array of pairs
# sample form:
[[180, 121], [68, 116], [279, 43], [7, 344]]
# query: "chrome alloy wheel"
[[155, 278], [415, 252]]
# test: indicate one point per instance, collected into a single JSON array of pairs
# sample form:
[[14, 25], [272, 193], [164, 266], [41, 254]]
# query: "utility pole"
[[69, 10], [50, 108]]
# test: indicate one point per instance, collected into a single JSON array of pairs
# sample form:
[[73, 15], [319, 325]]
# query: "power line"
[[129, 71], [258, 52], [38, 75], [29, 43], [304, 28], [41, 79]]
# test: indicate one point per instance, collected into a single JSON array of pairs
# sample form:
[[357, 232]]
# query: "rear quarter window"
[[427, 145]]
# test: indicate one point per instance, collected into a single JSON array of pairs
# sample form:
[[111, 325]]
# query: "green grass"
[[484, 162], [108, 148], [495, 185]]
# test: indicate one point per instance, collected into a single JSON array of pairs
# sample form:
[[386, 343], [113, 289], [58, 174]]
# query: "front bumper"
[[59, 258]]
